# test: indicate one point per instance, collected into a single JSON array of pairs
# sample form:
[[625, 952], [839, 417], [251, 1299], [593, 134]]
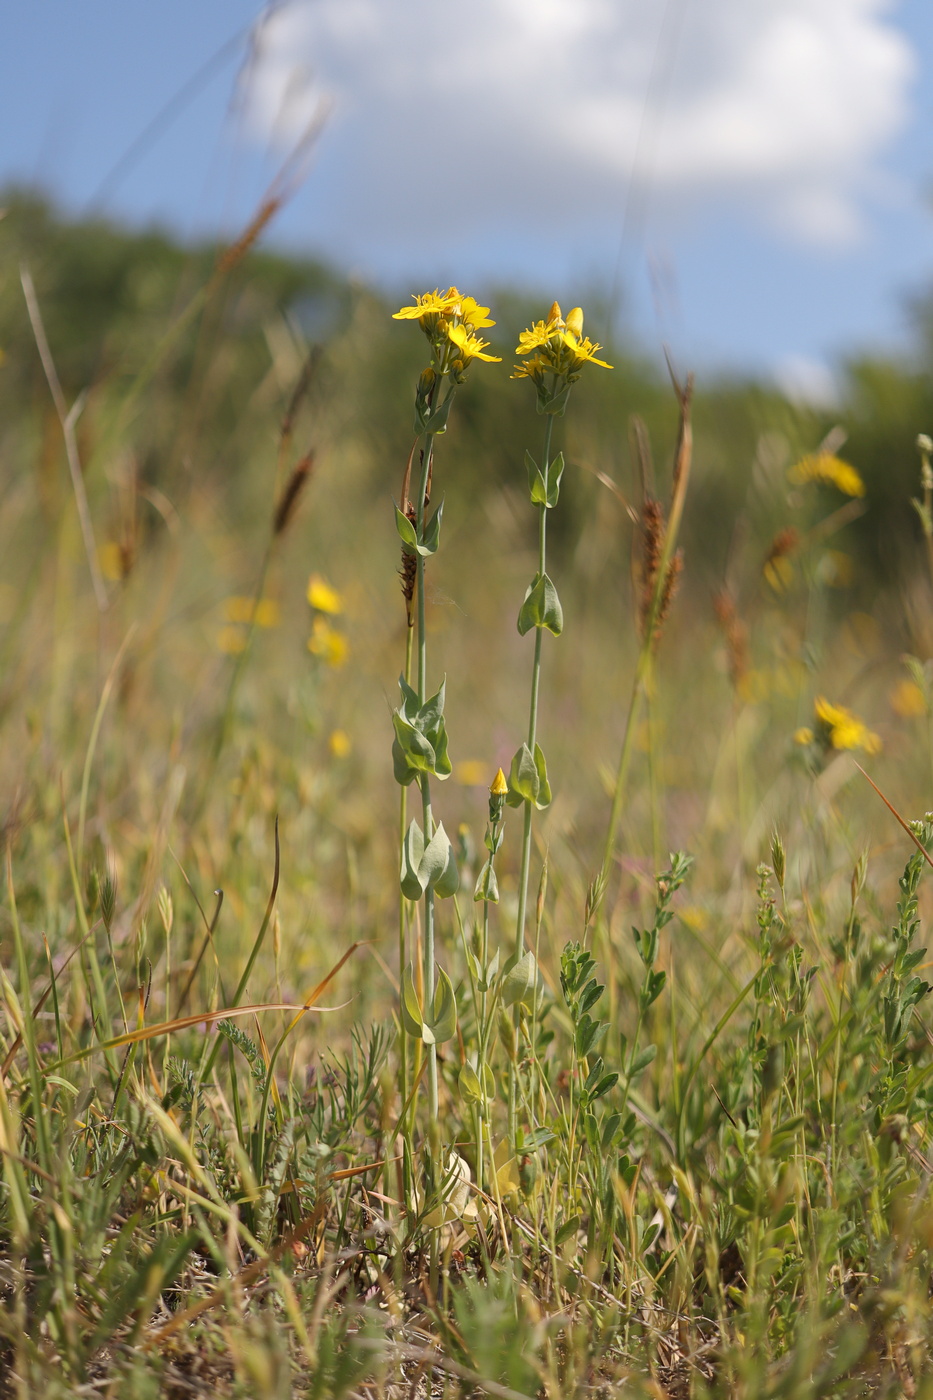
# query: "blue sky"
[[755, 176]]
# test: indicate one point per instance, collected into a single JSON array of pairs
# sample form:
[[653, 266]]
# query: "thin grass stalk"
[[682, 463]]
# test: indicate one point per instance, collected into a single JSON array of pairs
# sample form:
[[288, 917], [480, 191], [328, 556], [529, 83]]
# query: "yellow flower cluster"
[[326, 642], [556, 346], [450, 322], [240, 614], [829, 470], [838, 728]]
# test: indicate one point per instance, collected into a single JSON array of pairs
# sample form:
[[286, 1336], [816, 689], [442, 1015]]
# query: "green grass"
[[703, 1097]]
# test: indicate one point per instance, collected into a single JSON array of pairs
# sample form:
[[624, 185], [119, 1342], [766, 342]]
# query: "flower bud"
[[497, 795], [575, 321], [554, 314], [924, 442]]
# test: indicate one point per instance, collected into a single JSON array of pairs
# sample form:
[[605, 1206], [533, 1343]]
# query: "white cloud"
[[451, 119]]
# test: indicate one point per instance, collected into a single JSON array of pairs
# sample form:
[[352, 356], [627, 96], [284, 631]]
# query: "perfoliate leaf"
[[444, 1020], [554, 473], [507, 1177], [432, 531], [410, 1006], [523, 778], [519, 982], [437, 423], [412, 855], [406, 530], [487, 886], [543, 798], [470, 1088], [541, 607], [434, 860], [448, 882]]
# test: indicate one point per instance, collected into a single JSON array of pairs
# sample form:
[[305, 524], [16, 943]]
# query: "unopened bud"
[[924, 443], [575, 321], [554, 314], [426, 382], [497, 795]]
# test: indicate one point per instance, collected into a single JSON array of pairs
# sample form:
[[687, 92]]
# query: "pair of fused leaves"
[[528, 781], [408, 534], [434, 422], [420, 744], [477, 1086], [519, 982], [428, 866], [432, 1026], [541, 607], [487, 886], [544, 485]]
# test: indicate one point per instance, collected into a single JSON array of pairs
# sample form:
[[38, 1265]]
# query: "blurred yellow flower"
[[231, 640], [266, 612], [322, 597], [779, 573], [110, 559], [830, 470], [839, 728], [471, 772], [327, 643], [803, 736], [339, 743], [907, 700]]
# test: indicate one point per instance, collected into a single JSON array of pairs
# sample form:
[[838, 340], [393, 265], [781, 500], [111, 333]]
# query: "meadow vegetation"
[[466, 843]]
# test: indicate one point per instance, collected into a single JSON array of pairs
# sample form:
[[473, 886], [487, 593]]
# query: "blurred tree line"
[[214, 393]]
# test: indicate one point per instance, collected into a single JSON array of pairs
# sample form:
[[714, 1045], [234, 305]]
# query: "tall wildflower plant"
[[554, 352], [450, 323]]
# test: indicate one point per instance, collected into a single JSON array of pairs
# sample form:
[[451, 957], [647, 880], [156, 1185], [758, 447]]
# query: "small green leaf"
[[412, 1018], [643, 1060], [448, 882], [437, 423], [543, 798], [554, 473], [487, 886], [519, 982], [523, 778], [406, 530], [432, 532], [470, 1088], [444, 1021], [412, 855], [434, 860], [541, 607]]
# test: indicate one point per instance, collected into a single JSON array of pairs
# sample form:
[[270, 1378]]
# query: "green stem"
[[402, 955], [427, 816], [533, 712]]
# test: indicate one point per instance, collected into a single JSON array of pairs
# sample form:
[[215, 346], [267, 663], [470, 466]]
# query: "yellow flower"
[[472, 314], [322, 597], [430, 304], [327, 643], [265, 613], [231, 640], [830, 470], [340, 743], [471, 347], [803, 736], [470, 772], [583, 350], [556, 346], [907, 700], [499, 786], [839, 728]]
